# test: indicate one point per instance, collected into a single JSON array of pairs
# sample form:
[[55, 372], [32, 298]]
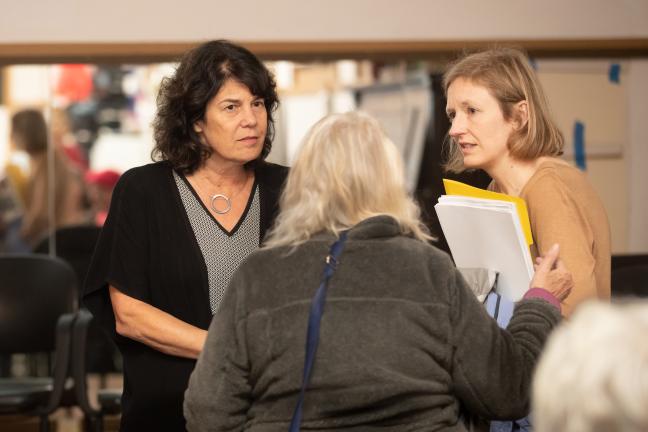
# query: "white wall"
[[34, 21], [637, 157], [580, 90]]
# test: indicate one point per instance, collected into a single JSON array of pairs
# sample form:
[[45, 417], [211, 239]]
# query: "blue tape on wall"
[[614, 74], [579, 145]]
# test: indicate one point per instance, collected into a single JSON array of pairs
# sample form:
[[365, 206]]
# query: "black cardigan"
[[147, 249]]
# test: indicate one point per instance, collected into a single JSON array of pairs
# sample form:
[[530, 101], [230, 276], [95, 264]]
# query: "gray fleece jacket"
[[403, 342]]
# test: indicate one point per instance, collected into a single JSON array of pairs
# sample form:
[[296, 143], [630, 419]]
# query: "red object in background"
[[106, 179], [76, 157], [100, 218], [100, 187], [75, 82]]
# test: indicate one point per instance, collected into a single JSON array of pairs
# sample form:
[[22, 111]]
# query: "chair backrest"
[[630, 275], [75, 245], [628, 260], [35, 290], [630, 281]]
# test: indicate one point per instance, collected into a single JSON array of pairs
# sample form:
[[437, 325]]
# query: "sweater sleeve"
[[492, 367], [219, 393], [556, 218]]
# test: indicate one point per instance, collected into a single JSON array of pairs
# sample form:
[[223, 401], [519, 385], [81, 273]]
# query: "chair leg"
[[93, 424], [44, 423], [5, 365], [88, 424]]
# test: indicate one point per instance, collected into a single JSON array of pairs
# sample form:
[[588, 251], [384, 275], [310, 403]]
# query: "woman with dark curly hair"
[[178, 228]]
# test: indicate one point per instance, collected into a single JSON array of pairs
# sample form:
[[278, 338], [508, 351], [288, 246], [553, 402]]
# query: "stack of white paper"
[[486, 233]]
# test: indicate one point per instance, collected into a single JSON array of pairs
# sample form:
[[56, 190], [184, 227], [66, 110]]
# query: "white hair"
[[593, 375], [346, 171]]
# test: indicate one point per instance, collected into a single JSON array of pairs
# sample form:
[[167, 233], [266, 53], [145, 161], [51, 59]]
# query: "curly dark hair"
[[183, 99]]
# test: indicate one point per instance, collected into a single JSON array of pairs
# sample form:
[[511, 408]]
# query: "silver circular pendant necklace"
[[220, 197], [220, 203]]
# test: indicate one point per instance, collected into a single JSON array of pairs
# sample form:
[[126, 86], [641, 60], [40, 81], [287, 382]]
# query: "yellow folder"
[[453, 187]]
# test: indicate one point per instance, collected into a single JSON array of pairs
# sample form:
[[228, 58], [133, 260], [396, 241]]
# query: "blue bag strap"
[[499, 308], [314, 319]]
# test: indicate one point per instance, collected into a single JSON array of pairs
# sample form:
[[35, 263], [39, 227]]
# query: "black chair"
[[75, 245], [109, 399], [628, 260], [630, 275], [37, 301], [630, 281], [93, 350]]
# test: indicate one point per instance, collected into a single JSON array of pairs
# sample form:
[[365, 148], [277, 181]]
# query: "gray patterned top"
[[223, 251]]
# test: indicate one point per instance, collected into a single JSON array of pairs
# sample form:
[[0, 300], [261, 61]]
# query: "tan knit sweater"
[[565, 209]]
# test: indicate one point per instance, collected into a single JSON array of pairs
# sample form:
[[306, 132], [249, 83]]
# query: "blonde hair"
[[346, 171], [506, 73], [593, 375]]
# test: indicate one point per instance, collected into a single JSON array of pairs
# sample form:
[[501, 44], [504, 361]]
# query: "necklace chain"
[[215, 198]]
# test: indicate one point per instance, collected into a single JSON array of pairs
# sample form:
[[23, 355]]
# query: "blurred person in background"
[[64, 140], [29, 134], [178, 228], [404, 344], [11, 208], [593, 374]]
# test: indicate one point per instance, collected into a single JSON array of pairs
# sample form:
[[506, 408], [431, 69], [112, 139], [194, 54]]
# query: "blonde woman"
[[501, 124], [403, 342]]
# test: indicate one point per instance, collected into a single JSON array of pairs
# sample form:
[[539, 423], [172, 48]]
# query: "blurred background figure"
[[100, 185], [29, 134], [11, 208], [64, 139], [593, 375]]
